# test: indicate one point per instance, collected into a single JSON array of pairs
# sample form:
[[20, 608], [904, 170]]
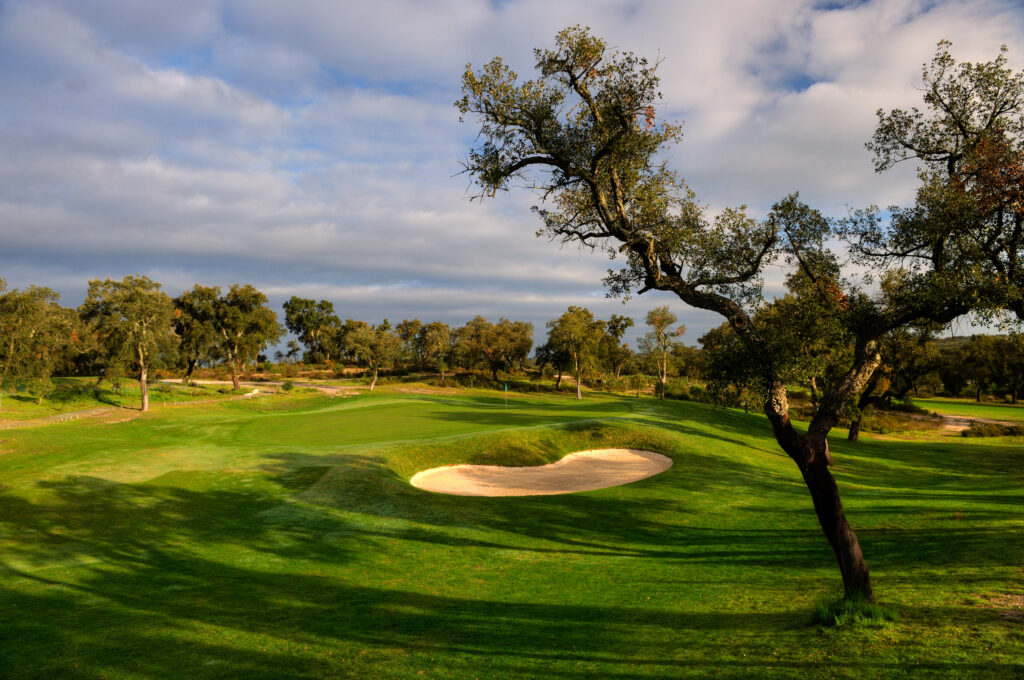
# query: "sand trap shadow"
[[581, 471]]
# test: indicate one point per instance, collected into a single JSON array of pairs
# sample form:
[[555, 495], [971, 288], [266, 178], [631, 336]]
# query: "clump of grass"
[[852, 611]]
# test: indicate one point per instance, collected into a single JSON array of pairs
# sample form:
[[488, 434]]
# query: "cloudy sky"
[[311, 147]]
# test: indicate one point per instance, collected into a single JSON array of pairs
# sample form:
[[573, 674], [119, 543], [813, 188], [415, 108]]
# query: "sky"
[[311, 148]]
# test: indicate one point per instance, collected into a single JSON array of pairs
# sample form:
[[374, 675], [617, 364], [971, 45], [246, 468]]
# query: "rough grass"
[[279, 538], [77, 394]]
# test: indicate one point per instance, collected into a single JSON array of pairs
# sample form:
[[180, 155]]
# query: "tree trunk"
[[977, 393], [810, 453], [187, 379], [579, 383], [832, 518], [558, 383], [663, 381], [373, 383], [234, 374], [442, 377], [855, 426], [144, 386]]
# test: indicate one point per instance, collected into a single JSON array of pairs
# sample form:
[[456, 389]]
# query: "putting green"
[[580, 471]]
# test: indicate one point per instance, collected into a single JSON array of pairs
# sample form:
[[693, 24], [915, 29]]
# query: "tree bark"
[[810, 453], [558, 383], [373, 383], [144, 386], [234, 374], [855, 426], [579, 383]]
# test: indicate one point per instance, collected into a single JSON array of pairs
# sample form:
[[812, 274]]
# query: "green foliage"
[[133, 320], [35, 334], [313, 322], [499, 346], [978, 429], [245, 325], [577, 336]]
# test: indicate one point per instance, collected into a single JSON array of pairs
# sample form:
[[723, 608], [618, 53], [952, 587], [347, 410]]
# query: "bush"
[[977, 429], [287, 385]]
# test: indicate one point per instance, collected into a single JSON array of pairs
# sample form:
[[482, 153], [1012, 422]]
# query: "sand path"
[[581, 471]]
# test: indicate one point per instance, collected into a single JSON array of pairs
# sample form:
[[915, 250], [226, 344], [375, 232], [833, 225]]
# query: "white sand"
[[581, 471]]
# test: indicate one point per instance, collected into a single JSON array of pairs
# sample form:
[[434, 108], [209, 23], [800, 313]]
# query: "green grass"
[[279, 538], [972, 409], [77, 394]]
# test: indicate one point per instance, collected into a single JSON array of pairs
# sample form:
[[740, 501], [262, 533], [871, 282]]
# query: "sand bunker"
[[582, 471]]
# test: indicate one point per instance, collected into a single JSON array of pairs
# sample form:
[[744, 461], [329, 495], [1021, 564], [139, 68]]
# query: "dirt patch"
[[581, 471], [1007, 607]]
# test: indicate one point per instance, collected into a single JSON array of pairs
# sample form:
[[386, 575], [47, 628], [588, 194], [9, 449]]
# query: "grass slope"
[[78, 394], [279, 538]]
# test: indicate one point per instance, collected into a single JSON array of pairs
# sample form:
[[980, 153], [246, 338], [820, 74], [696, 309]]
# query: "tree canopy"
[[134, 320], [586, 134]]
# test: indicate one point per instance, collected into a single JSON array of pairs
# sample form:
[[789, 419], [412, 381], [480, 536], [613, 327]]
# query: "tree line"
[[131, 327]]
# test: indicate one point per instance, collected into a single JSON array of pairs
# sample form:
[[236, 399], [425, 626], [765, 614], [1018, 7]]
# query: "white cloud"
[[314, 147]]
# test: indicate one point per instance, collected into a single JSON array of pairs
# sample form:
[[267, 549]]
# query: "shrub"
[[287, 385], [977, 429]]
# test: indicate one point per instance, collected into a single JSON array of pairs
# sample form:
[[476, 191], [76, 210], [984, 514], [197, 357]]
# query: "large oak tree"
[[133, 320], [586, 133]]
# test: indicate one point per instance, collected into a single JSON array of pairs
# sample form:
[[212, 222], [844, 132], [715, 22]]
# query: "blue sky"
[[311, 148]]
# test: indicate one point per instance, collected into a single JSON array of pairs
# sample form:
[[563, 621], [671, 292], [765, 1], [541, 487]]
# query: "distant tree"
[[407, 332], [312, 321], [1008, 364], [195, 312], [613, 351], [293, 350], [578, 335], [245, 325], [35, 333], [134, 321], [434, 345], [660, 341], [375, 346], [499, 346], [557, 358]]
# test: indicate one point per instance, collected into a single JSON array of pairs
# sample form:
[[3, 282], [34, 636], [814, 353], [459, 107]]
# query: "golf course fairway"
[[280, 538]]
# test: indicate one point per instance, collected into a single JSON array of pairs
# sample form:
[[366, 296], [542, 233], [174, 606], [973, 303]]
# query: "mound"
[[581, 471]]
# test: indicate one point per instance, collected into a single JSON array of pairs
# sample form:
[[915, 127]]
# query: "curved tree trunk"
[[234, 374], [832, 518], [373, 383], [810, 453]]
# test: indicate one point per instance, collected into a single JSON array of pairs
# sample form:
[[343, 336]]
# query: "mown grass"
[[972, 409], [279, 538]]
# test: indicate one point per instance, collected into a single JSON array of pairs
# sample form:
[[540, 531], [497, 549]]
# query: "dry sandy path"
[[581, 471]]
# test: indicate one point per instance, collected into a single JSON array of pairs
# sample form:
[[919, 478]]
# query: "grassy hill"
[[279, 538]]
